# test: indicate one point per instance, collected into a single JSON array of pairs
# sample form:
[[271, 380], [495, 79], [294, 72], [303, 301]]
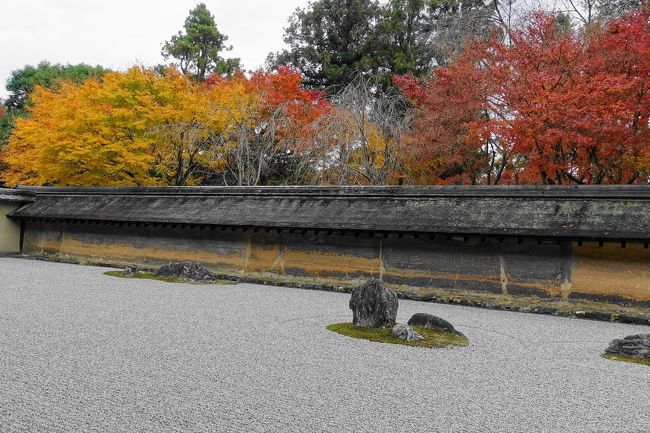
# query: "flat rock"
[[186, 271], [373, 305], [634, 346], [405, 332], [433, 322]]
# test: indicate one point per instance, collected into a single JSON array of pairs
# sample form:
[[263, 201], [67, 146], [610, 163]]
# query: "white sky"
[[120, 33]]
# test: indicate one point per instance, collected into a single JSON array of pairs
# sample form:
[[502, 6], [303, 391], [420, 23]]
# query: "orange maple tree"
[[263, 145], [279, 90]]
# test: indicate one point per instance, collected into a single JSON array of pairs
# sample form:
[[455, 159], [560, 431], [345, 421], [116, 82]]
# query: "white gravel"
[[80, 351]]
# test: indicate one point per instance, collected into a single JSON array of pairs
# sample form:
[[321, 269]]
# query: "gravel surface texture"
[[81, 351]]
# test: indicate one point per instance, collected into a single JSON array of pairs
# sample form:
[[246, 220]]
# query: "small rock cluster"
[[405, 332], [186, 271], [131, 270], [633, 346], [375, 306]]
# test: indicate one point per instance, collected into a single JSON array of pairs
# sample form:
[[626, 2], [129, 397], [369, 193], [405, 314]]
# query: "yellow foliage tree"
[[201, 125], [94, 133], [132, 128], [180, 130], [141, 128]]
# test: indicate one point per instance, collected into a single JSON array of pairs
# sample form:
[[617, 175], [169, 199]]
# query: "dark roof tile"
[[602, 212]]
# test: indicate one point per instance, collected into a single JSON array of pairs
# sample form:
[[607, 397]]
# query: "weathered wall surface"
[[562, 269], [9, 230], [558, 243], [612, 270], [10, 201]]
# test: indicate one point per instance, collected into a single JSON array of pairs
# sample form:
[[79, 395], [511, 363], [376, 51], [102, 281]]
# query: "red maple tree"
[[552, 106]]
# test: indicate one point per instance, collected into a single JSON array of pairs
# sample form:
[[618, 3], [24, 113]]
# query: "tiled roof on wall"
[[13, 195], [589, 212]]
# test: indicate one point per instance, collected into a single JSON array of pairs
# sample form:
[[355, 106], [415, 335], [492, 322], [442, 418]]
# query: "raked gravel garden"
[[83, 351]]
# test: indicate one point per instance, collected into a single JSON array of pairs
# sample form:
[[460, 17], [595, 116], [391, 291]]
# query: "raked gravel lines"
[[81, 351]]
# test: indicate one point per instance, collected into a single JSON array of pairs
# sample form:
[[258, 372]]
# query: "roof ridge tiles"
[[636, 192]]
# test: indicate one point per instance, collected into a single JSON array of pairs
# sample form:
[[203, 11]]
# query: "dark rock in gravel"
[[373, 305], [433, 322], [597, 315], [187, 271], [544, 310], [626, 318], [637, 320], [405, 332], [565, 314], [131, 270], [634, 346]]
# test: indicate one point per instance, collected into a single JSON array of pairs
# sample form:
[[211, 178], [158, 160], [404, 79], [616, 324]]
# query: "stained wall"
[[610, 271]]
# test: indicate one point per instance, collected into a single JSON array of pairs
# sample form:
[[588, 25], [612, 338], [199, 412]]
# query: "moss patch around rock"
[[433, 339], [151, 276], [626, 359]]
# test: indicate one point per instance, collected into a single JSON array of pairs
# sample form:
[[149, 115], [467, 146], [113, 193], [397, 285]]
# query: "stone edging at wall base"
[[554, 308]]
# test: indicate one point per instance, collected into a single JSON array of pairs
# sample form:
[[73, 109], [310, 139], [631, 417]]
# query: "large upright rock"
[[373, 305], [634, 346]]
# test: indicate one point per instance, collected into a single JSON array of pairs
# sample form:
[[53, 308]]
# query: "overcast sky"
[[120, 33]]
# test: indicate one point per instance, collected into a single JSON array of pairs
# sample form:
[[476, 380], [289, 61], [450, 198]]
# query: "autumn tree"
[[143, 128], [360, 139], [197, 49], [296, 108], [451, 142], [550, 107], [266, 116], [236, 130], [582, 117], [94, 133], [22, 82], [182, 128]]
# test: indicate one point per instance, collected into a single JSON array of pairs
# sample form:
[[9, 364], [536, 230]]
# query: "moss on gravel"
[[625, 359], [433, 339], [151, 276]]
